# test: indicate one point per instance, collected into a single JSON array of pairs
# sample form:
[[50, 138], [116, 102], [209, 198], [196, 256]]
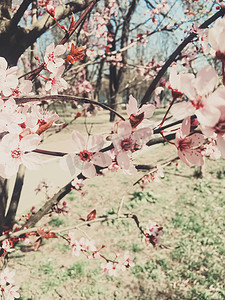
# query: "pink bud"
[[51, 10]]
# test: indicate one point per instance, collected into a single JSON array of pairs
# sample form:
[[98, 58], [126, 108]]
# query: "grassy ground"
[[191, 266]]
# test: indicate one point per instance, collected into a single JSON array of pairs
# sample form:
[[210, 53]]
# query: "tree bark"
[[3, 201], [14, 39], [116, 77]]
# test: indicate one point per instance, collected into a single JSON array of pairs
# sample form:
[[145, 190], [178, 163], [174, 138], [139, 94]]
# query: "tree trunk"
[[3, 201]]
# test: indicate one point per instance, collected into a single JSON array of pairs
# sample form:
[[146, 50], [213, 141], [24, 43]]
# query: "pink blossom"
[[216, 36], [91, 53], [56, 82], [10, 116], [7, 277], [39, 117], [188, 145], [153, 233], [14, 152], [52, 61], [126, 261], [211, 150], [217, 129], [125, 141], [83, 245], [7, 246], [8, 78], [136, 115], [11, 292], [24, 88], [88, 155], [175, 82], [110, 268], [198, 89], [77, 183]]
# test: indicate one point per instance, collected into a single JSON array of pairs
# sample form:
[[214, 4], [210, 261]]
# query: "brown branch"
[[173, 56], [42, 24], [166, 163], [3, 201], [10, 217], [79, 21], [48, 205], [19, 13], [65, 98], [103, 218]]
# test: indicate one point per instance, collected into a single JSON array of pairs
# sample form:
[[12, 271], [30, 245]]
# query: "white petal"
[[78, 141], [132, 106], [88, 170], [221, 144], [206, 80], [30, 142], [101, 159], [95, 143]]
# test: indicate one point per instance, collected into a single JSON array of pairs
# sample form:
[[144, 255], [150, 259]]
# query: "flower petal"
[[88, 170], [101, 159], [132, 106], [221, 144], [95, 143], [78, 141]]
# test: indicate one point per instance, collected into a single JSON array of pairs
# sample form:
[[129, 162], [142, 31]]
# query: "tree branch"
[[65, 98], [48, 205], [19, 14], [103, 218], [10, 217], [61, 11], [173, 56]]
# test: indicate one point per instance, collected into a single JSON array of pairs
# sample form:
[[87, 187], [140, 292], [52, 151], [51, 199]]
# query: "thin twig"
[[173, 56], [65, 98]]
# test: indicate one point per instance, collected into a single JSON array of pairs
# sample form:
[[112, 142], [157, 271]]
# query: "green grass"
[[189, 265]]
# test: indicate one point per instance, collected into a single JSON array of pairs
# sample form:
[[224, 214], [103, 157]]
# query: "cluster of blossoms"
[[87, 247], [121, 263], [95, 31], [149, 70], [127, 137], [8, 290], [207, 102], [84, 246], [152, 177], [153, 233], [161, 8]]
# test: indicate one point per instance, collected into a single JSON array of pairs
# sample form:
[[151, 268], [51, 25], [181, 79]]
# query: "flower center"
[[41, 122], [127, 144], [197, 103], [184, 144], [51, 57], [85, 155], [135, 120], [220, 127], [17, 153]]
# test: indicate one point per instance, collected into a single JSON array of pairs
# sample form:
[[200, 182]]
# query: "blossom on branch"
[[125, 142], [153, 233], [87, 155], [188, 145], [217, 129], [15, 151], [51, 57], [8, 78], [56, 82], [198, 89], [137, 115]]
